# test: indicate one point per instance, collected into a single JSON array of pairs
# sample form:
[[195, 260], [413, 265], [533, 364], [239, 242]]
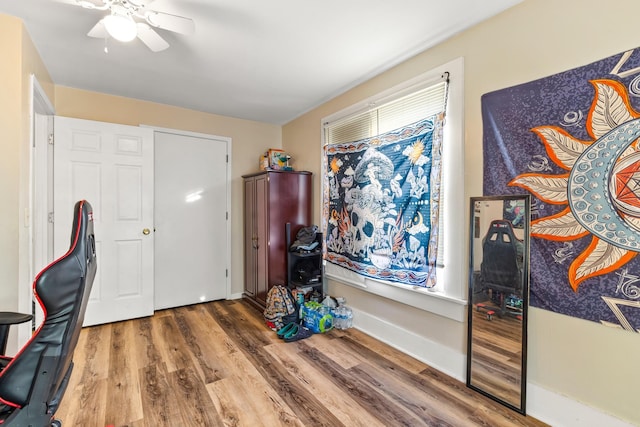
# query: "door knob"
[[146, 231]]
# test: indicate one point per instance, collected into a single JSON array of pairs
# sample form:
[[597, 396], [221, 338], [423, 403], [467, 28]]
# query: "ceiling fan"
[[121, 22]]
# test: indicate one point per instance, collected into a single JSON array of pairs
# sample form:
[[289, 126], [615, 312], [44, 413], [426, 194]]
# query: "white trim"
[[560, 411], [39, 103], [453, 277], [187, 133], [235, 296], [442, 358], [452, 280], [414, 296]]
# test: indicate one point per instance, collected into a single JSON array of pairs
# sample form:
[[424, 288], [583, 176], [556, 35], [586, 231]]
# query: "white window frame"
[[449, 297]]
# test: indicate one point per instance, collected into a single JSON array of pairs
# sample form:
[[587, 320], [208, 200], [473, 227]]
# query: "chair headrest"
[[77, 261], [498, 229]]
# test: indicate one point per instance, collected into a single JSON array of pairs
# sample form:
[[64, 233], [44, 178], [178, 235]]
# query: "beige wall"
[[249, 139], [19, 61], [579, 359], [31, 65], [10, 135]]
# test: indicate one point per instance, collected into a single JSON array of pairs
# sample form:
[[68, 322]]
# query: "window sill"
[[421, 298]]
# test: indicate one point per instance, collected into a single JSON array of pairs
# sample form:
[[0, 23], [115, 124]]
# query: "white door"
[[111, 166], [190, 217]]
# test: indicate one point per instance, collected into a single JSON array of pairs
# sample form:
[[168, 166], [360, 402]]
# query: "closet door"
[[191, 226]]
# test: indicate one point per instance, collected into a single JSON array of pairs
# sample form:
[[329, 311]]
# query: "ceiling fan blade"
[[93, 4], [98, 31], [148, 36], [140, 3], [178, 24]]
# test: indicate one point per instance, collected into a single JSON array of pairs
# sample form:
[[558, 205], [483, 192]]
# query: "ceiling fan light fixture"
[[120, 27]]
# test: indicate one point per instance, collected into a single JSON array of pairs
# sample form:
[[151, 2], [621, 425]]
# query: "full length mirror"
[[498, 296]]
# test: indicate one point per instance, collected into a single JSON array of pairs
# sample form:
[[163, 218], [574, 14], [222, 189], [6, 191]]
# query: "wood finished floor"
[[497, 356], [217, 364]]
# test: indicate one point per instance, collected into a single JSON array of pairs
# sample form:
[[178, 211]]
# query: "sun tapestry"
[[571, 141], [381, 203]]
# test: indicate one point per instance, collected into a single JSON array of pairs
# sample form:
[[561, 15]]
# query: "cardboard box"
[[277, 159]]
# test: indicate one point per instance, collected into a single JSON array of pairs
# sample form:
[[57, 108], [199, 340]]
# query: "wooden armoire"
[[271, 200]]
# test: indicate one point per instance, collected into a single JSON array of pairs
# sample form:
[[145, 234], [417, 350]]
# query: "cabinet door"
[[262, 234], [249, 238], [289, 202]]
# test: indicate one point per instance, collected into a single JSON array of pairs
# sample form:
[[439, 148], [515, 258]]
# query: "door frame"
[[41, 174], [227, 140]]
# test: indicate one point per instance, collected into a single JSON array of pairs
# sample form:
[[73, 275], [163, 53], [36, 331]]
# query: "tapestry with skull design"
[[381, 203]]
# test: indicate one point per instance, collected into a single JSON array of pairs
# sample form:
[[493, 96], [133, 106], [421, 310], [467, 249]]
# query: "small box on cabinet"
[[277, 159]]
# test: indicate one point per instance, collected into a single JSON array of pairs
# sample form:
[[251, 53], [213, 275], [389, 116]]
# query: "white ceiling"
[[263, 60]]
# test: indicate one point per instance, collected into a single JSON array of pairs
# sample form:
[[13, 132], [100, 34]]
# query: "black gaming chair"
[[502, 258], [33, 382]]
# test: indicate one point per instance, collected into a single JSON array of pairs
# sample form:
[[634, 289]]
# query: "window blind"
[[392, 114]]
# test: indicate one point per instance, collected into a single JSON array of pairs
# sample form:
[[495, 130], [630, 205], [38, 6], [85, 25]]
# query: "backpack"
[[281, 307]]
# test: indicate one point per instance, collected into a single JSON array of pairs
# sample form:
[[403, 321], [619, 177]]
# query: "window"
[[392, 109]]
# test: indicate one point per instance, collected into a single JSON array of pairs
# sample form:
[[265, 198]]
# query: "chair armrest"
[[11, 318], [8, 318]]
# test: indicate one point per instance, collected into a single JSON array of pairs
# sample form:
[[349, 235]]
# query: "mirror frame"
[[525, 299]]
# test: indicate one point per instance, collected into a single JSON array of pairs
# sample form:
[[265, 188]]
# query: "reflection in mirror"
[[498, 296]]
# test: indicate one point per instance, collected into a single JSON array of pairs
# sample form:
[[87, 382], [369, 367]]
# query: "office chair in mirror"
[[498, 296]]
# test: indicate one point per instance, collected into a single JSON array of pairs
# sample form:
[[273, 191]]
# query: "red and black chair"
[[33, 382], [501, 272]]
